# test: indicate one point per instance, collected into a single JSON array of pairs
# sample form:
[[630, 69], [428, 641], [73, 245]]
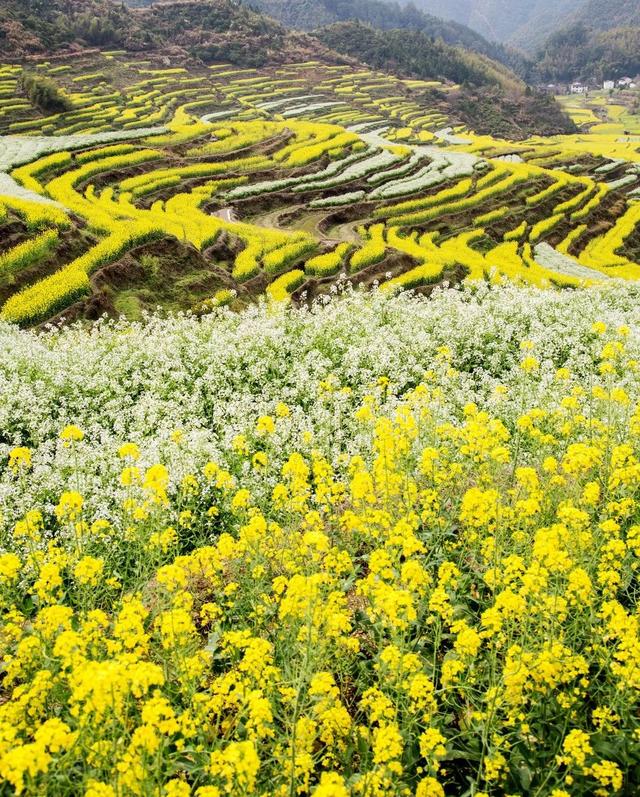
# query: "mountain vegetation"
[[528, 24], [226, 30], [607, 14], [44, 94], [571, 38], [514, 21], [312, 14], [414, 53], [207, 29], [32, 26], [490, 98], [490, 110], [223, 29], [581, 52]]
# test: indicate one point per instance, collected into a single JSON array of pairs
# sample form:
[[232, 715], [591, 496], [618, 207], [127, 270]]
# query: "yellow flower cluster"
[[453, 602]]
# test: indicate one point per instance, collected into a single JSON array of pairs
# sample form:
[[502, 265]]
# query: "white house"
[[609, 85], [578, 88], [625, 81]]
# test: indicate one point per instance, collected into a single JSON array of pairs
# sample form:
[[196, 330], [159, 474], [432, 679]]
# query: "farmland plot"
[[192, 162]]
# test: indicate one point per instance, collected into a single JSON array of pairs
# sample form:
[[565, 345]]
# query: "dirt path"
[[226, 214], [347, 231]]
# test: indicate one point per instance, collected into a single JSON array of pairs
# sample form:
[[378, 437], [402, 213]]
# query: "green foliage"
[[151, 264], [312, 14], [518, 21], [219, 30], [493, 111], [582, 52], [51, 24], [45, 94], [607, 14], [246, 38], [413, 53]]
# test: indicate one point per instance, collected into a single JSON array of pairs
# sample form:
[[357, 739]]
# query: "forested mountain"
[[208, 29], [578, 52], [528, 23], [600, 40], [570, 38], [413, 52], [29, 26], [308, 15], [607, 14], [480, 25], [513, 21], [227, 30], [312, 14]]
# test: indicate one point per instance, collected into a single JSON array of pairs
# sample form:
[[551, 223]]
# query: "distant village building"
[[579, 88], [609, 85], [626, 82]]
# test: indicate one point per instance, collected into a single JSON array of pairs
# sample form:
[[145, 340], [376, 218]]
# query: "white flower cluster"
[[443, 167], [213, 377], [404, 169], [304, 182], [9, 187], [17, 150], [629, 178], [270, 106], [550, 258], [609, 166], [447, 135], [356, 171], [338, 201], [300, 110]]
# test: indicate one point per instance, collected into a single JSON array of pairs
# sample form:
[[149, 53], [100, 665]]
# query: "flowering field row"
[[262, 171]]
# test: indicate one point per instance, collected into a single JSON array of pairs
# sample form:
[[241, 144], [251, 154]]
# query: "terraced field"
[[384, 547], [192, 188]]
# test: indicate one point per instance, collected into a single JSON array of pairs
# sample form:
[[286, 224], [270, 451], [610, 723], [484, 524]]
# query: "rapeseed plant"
[[378, 570]]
